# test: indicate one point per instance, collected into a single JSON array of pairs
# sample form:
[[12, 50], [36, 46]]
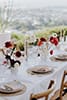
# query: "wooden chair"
[[63, 84], [61, 94], [44, 94]]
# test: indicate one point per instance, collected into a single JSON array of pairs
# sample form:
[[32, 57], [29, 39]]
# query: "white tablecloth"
[[33, 83]]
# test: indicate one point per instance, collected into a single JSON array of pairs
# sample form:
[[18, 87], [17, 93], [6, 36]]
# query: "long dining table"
[[34, 83]]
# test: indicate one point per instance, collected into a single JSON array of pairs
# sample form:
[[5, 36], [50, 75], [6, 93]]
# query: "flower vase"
[[44, 53], [14, 70]]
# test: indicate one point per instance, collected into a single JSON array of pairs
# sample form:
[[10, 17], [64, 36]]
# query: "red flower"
[[40, 43], [43, 39], [51, 52], [18, 54], [8, 44], [5, 62], [54, 40]]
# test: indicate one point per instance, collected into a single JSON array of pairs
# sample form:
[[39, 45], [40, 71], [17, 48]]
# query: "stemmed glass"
[[31, 51], [28, 49]]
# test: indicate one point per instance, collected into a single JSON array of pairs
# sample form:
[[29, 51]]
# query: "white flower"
[[16, 64], [54, 34]]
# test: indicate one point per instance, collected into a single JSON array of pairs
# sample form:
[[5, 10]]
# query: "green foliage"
[[20, 45], [48, 31], [66, 33], [17, 36], [43, 33]]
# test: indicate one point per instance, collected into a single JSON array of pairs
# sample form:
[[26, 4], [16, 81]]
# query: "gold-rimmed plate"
[[61, 57], [40, 70], [12, 87]]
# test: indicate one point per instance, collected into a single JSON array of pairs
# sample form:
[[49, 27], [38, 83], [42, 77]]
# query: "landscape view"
[[32, 20]]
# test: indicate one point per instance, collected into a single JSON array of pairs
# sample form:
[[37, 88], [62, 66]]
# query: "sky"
[[34, 3]]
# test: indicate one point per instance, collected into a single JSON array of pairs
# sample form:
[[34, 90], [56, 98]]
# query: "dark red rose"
[[51, 52], [55, 41], [8, 44], [43, 39], [52, 39], [18, 54]]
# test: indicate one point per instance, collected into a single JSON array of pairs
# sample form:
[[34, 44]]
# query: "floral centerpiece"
[[9, 53], [46, 44]]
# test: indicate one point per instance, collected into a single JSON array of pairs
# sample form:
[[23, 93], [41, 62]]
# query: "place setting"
[[59, 57], [40, 70], [12, 88]]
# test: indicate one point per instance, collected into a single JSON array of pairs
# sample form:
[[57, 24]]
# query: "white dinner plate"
[[61, 57], [40, 69], [12, 87]]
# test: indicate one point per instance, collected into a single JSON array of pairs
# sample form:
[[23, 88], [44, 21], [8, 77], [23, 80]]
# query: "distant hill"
[[34, 19]]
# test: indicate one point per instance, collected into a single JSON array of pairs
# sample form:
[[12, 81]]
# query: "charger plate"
[[40, 70], [59, 58], [13, 87]]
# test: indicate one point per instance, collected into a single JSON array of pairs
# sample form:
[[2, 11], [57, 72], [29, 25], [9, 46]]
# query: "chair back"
[[63, 84], [44, 94]]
